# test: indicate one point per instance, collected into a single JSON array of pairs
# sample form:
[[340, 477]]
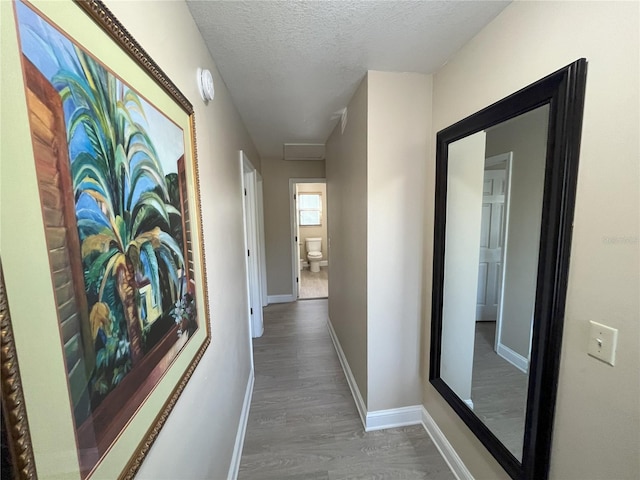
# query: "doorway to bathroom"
[[310, 240]]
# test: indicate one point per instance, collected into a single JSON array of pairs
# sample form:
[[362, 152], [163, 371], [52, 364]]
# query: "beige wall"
[[277, 217], [399, 114], [346, 159], [314, 231], [375, 178], [597, 416], [526, 137], [219, 382]]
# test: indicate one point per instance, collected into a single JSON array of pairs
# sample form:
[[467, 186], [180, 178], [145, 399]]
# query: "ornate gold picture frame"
[[101, 241]]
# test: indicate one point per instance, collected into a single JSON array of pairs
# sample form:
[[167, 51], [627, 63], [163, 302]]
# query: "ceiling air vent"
[[304, 151]]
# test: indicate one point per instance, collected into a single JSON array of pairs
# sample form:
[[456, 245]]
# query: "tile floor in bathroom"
[[314, 285]]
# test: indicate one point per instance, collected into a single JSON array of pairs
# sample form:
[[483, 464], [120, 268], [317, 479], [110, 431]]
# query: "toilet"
[[314, 252]]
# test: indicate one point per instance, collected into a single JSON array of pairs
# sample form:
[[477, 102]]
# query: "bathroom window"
[[310, 209]]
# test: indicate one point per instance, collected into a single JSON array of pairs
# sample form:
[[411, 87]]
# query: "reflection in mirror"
[[494, 206], [504, 198]]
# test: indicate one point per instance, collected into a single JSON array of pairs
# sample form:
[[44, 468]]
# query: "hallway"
[[303, 422]]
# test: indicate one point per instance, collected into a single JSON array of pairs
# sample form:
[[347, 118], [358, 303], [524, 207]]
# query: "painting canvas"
[[115, 201]]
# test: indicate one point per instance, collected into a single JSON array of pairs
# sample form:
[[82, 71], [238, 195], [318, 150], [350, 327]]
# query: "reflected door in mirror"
[[495, 187], [504, 198]]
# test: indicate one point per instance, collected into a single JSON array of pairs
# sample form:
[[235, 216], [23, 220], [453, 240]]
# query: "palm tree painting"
[[127, 197]]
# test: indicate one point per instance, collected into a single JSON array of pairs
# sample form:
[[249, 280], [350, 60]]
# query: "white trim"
[[251, 243], [394, 417], [261, 240], [281, 298], [398, 417], [514, 358], [242, 429], [351, 381], [295, 245], [379, 419], [507, 158], [457, 466], [469, 402]]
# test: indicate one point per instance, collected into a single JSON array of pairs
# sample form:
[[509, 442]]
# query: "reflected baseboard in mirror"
[[504, 200]]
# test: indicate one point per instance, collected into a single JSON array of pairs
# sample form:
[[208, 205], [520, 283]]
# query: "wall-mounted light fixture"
[[205, 84]]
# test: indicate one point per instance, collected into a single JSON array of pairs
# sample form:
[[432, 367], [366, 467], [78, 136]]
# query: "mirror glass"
[[504, 197], [495, 187]]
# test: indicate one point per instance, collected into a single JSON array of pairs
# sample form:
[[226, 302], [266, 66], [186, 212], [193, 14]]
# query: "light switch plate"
[[603, 341]]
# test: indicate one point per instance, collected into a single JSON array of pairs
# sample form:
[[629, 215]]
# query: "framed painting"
[[101, 240]]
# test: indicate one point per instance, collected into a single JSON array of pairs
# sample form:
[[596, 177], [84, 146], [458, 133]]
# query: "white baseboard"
[[394, 417], [399, 417], [447, 451], [379, 419], [513, 358], [351, 381], [242, 429], [281, 298]]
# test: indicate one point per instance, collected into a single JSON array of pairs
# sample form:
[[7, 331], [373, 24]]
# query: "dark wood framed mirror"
[[504, 201]]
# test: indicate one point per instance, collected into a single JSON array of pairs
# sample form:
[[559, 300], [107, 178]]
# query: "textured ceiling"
[[290, 65]]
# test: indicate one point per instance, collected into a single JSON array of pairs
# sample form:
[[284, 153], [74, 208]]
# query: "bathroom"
[[311, 217]]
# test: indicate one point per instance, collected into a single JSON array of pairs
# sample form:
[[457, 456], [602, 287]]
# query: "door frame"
[[505, 352], [261, 238], [293, 220], [252, 244]]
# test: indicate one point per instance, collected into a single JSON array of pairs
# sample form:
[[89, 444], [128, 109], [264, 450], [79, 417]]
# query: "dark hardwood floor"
[[303, 422]]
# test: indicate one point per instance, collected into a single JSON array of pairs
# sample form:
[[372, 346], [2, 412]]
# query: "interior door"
[[261, 244], [250, 209], [491, 245]]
